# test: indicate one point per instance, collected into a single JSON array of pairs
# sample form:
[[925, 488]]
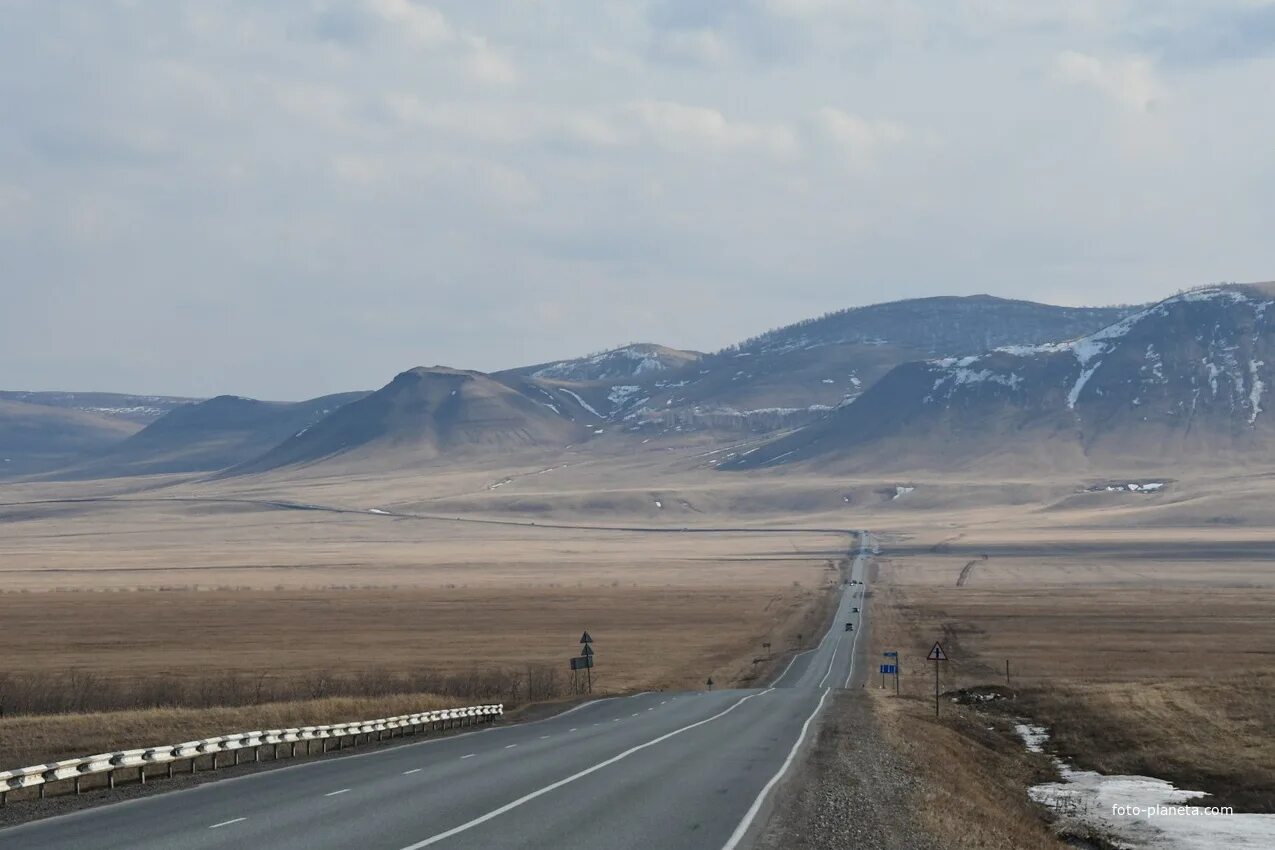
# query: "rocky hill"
[[207, 436], [425, 413]]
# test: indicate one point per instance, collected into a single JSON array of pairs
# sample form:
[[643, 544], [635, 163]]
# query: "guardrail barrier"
[[74, 770]]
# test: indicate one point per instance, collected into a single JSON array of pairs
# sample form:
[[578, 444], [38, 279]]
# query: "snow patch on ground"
[[900, 491], [1130, 487], [1144, 811]]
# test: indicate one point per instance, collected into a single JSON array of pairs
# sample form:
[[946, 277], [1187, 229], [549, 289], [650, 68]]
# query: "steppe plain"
[[1139, 626]]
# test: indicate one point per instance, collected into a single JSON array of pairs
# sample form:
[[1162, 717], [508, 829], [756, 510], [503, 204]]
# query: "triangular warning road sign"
[[584, 638], [937, 653], [588, 650]]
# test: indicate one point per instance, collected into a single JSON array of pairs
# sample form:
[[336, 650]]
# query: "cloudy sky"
[[288, 199]]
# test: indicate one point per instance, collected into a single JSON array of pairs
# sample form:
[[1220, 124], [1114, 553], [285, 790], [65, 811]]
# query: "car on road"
[[849, 627]]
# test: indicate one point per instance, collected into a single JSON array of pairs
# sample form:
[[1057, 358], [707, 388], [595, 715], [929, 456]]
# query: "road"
[[664, 770]]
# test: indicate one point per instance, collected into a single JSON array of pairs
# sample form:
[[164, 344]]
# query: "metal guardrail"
[[41, 775]]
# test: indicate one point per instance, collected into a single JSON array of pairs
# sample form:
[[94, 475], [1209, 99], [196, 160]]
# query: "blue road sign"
[[887, 668]]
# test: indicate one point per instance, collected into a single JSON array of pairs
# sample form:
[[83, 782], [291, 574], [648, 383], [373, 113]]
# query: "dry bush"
[[78, 692]]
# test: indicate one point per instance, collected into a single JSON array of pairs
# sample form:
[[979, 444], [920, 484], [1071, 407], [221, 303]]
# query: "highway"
[[673, 771]]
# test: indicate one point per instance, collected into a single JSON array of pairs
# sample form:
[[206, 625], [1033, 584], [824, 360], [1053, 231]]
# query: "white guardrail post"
[[40, 776]]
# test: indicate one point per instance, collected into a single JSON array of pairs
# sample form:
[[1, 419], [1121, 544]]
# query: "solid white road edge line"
[[553, 786], [226, 823], [751, 815]]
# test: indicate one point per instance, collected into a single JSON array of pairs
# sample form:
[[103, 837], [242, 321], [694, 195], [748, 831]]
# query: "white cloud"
[[695, 129], [860, 140], [487, 64], [566, 151], [1131, 82], [699, 46], [423, 26]]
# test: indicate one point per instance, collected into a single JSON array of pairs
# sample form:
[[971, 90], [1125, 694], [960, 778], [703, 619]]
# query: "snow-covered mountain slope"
[[1189, 374], [794, 375], [640, 360]]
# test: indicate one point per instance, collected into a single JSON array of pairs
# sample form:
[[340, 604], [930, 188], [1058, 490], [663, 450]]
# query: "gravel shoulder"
[[853, 790]]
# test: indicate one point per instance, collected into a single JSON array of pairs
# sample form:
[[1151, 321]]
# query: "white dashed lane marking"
[[226, 823], [334, 793], [413, 770]]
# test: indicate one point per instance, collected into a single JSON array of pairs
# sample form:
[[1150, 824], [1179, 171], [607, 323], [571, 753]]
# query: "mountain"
[[143, 409], [425, 413], [1185, 379], [38, 437], [40, 431], [207, 436], [641, 360], [794, 375]]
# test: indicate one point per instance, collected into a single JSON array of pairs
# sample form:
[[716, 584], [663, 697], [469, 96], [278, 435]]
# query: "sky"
[[283, 200]]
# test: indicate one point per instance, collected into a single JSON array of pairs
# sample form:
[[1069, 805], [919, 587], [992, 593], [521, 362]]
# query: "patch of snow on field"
[[1131, 487], [901, 491], [378, 511], [659, 504], [1033, 736], [1142, 810]]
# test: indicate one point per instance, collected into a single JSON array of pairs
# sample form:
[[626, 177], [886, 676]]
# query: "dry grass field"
[[1140, 628], [208, 589], [1145, 646]]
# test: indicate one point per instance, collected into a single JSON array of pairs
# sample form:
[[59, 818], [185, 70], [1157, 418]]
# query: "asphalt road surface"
[[672, 771]]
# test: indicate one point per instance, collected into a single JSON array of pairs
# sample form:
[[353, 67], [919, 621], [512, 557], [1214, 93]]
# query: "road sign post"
[[886, 670], [585, 660], [936, 655], [895, 664]]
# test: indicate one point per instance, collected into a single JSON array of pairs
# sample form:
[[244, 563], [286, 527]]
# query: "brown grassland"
[[1139, 628]]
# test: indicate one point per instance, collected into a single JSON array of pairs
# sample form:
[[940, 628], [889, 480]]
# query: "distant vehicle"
[[855, 610], [849, 627]]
